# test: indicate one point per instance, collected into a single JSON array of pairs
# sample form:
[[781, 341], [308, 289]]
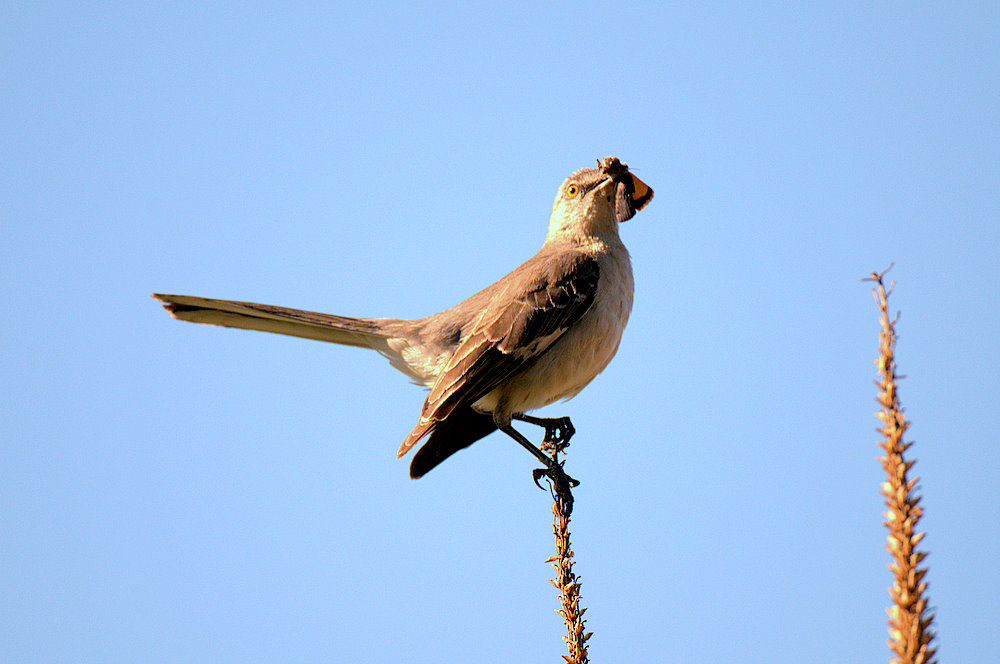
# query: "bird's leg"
[[558, 430], [550, 463], [561, 482]]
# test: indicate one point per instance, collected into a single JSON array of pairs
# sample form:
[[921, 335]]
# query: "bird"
[[538, 335]]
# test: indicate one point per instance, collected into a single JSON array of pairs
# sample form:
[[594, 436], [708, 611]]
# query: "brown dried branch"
[[910, 633], [566, 580]]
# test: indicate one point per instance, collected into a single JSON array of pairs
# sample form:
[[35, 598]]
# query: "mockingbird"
[[537, 335]]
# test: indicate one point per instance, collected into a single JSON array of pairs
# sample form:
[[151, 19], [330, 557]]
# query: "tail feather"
[[363, 332], [461, 428]]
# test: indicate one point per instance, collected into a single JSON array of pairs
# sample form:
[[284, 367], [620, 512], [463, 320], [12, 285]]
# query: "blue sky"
[[172, 492]]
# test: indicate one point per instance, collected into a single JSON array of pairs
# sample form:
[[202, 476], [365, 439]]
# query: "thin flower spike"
[[910, 634], [566, 581]]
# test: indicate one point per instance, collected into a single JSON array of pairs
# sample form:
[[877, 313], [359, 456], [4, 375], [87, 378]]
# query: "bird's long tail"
[[363, 332]]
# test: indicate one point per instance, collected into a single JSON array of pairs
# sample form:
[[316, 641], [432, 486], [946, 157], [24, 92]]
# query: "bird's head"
[[593, 201]]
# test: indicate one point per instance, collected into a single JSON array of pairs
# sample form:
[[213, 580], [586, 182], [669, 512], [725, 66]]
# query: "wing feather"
[[513, 331]]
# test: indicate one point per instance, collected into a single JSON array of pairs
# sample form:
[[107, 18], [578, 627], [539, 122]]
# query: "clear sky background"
[[181, 493]]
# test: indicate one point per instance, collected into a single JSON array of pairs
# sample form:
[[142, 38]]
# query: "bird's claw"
[[560, 485], [559, 431], [537, 474], [555, 473]]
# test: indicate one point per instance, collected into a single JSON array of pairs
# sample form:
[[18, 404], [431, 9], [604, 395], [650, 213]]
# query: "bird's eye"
[[572, 190]]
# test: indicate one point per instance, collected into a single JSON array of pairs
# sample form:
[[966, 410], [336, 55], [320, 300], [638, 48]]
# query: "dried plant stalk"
[[566, 581], [910, 633]]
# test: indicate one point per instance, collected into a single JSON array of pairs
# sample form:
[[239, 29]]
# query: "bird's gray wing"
[[527, 314]]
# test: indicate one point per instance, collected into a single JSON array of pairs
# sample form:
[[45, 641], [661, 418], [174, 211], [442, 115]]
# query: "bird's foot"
[[558, 431], [560, 484], [556, 474]]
